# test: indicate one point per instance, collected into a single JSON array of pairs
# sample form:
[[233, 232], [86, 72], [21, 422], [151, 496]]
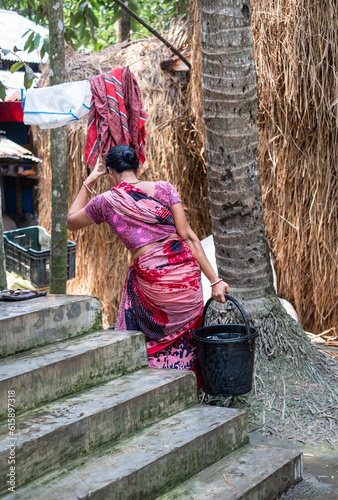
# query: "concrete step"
[[149, 463], [50, 372], [254, 473], [66, 429], [36, 322]]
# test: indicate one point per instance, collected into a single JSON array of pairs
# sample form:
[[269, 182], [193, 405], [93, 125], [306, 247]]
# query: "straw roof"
[[12, 28]]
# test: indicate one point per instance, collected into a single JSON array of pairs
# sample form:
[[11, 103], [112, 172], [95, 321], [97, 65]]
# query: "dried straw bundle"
[[101, 259], [297, 61], [295, 44]]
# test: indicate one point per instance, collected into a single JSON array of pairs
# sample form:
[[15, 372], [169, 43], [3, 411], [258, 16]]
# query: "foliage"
[[89, 25]]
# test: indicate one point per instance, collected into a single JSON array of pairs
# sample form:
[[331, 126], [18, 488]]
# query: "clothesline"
[[66, 109]]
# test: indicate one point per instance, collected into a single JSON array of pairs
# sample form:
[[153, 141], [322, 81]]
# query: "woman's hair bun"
[[128, 156], [121, 158]]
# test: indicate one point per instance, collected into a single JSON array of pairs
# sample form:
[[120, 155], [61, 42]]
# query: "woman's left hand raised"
[[219, 290], [96, 173]]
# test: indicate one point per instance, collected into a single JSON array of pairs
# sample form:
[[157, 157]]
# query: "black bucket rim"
[[253, 334]]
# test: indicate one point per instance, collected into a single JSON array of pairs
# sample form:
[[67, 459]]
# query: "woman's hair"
[[121, 158]]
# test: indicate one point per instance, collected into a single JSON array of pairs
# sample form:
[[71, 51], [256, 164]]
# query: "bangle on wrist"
[[87, 187], [215, 282]]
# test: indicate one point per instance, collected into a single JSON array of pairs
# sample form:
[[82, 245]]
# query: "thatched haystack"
[[101, 260], [295, 44]]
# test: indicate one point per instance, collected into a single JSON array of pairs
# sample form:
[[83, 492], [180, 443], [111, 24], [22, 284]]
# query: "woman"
[[162, 295]]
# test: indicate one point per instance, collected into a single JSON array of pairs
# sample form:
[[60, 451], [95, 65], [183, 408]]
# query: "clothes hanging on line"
[[116, 115], [52, 107]]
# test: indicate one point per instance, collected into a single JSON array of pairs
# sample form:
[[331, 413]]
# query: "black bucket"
[[226, 355]]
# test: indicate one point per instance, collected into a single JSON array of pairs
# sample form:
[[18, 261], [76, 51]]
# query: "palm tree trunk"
[[59, 155], [285, 359], [230, 117]]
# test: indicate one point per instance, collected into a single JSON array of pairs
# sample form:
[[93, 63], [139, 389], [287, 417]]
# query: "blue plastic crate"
[[27, 252]]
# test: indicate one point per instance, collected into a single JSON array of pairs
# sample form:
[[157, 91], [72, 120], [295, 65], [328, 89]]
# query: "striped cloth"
[[116, 115]]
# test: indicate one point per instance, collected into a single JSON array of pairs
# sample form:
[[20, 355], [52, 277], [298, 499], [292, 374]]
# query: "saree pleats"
[[162, 297]]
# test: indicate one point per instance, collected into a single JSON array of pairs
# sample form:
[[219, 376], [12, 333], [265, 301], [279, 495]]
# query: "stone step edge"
[[65, 430], [28, 324], [150, 462], [279, 470], [34, 387]]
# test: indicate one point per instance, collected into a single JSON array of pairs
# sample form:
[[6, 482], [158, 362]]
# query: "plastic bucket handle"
[[241, 310]]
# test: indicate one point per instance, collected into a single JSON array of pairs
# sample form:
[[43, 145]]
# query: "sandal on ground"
[[16, 295], [5, 292]]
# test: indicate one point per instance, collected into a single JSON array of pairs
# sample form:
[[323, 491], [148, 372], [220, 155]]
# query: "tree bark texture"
[[3, 280], [118, 30], [125, 23], [230, 118], [59, 155]]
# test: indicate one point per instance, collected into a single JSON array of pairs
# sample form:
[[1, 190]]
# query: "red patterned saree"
[[162, 295]]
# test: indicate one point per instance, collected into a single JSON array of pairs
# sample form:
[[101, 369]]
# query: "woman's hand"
[[218, 291], [96, 173]]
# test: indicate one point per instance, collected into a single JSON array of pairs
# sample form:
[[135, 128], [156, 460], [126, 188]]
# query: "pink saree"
[[162, 295]]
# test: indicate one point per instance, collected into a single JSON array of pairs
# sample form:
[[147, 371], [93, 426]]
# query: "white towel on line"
[[52, 107]]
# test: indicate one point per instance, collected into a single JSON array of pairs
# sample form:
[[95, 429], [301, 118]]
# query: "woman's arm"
[[77, 217], [189, 237]]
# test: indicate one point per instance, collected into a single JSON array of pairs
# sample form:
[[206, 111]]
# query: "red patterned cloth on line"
[[116, 116]]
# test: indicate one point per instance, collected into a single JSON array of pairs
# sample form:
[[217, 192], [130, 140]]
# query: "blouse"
[[134, 233]]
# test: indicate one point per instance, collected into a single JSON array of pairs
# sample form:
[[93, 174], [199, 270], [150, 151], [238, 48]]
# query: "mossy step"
[[149, 463], [66, 429], [40, 321], [50, 372], [250, 473]]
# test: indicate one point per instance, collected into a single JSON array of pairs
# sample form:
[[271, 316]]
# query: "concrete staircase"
[[92, 420]]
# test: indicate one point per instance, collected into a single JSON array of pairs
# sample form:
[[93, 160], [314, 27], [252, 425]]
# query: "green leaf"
[[29, 76], [76, 18], [45, 44], [95, 4], [15, 49], [29, 42], [115, 18], [26, 33], [93, 17], [91, 26], [83, 5], [133, 24], [16, 66], [133, 6], [2, 92], [116, 9], [37, 41], [83, 31]]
